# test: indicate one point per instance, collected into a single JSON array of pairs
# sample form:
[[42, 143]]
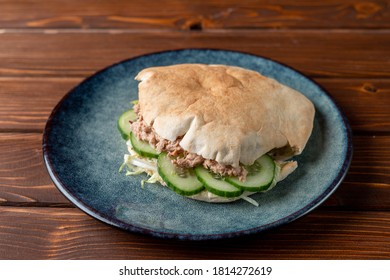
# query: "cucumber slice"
[[216, 185], [143, 148], [260, 175], [182, 181], [124, 123]]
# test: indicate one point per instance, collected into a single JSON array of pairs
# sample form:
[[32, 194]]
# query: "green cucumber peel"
[[216, 184], [181, 181], [123, 123], [143, 148]]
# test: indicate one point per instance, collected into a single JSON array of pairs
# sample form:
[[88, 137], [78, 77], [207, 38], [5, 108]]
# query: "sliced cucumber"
[[260, 175], [124, 123], [143, 148], [216, 185], [182, 181]]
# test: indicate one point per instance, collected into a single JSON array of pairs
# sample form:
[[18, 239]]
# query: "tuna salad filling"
[[179, 156]]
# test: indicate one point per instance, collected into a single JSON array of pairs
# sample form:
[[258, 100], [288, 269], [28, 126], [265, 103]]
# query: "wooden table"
[[48, 47]]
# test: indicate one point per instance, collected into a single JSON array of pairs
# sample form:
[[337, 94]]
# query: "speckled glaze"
[[83, 151]]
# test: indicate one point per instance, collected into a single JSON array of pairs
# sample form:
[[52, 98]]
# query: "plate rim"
[[329, 190]]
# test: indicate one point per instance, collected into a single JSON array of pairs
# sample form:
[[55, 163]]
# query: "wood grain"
[[24, 179], [47, 47], [359, 53], [184, 15], [23, 176], [44, 233], [365, 102], [26, 103]]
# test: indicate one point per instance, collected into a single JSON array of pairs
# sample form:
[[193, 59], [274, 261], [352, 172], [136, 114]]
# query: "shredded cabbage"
[[250, 200], [135, 165]]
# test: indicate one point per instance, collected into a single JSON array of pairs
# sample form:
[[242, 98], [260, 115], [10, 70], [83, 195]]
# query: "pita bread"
[[224, 113]]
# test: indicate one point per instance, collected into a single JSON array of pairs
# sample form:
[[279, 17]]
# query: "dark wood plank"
[[194, 14], [325, 53], [24, 180], [44, 233], [25, 103], [23, 177], [365, 102]]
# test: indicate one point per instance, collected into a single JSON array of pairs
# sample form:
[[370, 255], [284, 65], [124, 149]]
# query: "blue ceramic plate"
[[83, 151]]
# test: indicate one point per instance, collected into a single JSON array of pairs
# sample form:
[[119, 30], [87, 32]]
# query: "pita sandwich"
[[222, 118]]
